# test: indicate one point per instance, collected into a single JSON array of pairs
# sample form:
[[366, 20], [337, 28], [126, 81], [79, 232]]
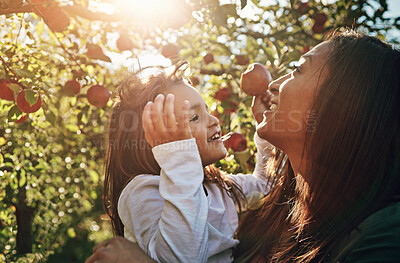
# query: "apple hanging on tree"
[[194, 81], [24, 105], [303, 7], [98, 95], [223, 94], [242, 60], [72, 87], [208, 58], [237, 142], [5, 92]]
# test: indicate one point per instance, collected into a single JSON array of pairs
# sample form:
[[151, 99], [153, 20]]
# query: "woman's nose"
[[274, 85]]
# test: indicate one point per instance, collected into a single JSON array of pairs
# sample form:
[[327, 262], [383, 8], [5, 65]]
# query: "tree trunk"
[[24, 215]]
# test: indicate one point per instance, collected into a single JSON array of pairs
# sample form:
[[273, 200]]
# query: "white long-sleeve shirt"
[[171, 217]]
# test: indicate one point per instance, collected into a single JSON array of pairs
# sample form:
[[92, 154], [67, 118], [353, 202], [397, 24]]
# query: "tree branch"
[[22, 9], [81, 11], [73, 10]]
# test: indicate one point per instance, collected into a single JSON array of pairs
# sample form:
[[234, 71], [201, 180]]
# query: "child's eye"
[[194, 118]]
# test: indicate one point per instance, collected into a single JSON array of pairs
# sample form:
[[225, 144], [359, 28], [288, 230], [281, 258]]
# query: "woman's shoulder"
[[376, 239]]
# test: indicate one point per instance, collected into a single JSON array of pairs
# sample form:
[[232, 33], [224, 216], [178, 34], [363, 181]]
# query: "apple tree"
[[60, 64]]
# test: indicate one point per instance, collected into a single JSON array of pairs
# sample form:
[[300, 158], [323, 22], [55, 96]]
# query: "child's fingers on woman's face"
[[184, 127], [157, 113], [169, 115]]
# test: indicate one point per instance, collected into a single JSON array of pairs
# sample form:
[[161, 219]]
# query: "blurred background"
[[62, 59]]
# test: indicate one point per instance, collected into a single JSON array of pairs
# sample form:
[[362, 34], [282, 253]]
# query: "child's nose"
[[212, 121]]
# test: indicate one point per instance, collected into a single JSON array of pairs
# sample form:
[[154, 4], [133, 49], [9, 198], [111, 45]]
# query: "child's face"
[[205, 128]]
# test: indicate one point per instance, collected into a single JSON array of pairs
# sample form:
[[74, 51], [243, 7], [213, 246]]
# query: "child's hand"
[[159, 121], [260, 104]]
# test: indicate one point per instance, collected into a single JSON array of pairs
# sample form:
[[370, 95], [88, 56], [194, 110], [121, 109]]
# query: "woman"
[[338, 120]]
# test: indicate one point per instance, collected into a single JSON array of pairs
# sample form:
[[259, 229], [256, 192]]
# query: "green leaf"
[[14, 87], [243, 3], [23, 73], [31, 96], [72, 127], [22, 178], [51, 117], [14, 113], [94, 175], [71, 232]]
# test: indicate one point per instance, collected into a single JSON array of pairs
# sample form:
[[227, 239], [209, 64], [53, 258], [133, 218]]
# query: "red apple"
[[124, 42], [302, 8], [320, 18], [237, 142], [22, 119], [208, 58], [194, 81], [72, 87], [24, 105], [318, 28], [242, 60], [305, 49], [223, 94], [170, 51], [5, 92], [255, 80], [98, 95]]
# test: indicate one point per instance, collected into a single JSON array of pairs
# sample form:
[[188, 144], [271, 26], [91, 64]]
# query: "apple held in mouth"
[[255, 80]]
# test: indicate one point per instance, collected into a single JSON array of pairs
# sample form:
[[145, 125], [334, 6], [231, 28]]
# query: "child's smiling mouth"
[[215, 137]]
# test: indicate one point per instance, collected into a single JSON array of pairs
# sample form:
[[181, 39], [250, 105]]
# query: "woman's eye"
[[194, 118]]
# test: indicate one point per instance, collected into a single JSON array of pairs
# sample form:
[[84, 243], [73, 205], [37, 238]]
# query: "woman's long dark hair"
[[354, 153], [128, 153]]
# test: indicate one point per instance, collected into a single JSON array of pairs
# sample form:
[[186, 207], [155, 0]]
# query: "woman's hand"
[[118, 250], [159, 121], [260, 104]]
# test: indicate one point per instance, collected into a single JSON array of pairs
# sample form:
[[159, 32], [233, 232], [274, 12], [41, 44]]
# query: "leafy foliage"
[[51, 164]]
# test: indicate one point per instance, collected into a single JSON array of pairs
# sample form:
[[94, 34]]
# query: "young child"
[[161, 189]]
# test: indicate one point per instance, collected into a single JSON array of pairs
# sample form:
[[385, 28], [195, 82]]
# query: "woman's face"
[[286, 126]]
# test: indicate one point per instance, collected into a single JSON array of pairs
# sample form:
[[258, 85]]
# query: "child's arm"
[[179, 233], [167, 215]]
